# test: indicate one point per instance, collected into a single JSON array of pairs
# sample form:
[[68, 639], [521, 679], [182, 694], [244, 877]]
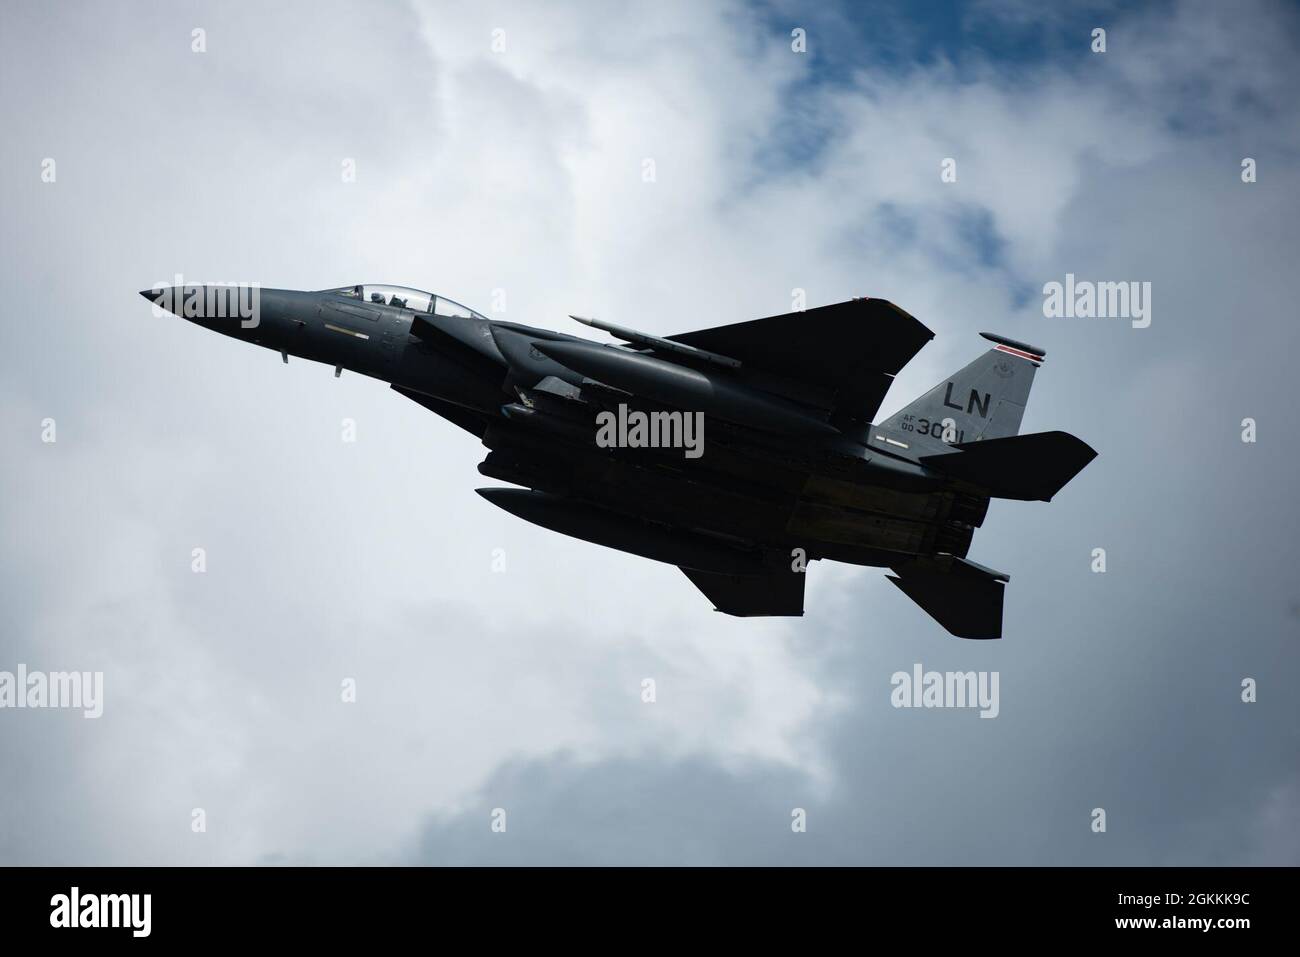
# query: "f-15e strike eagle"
[[738, 453]]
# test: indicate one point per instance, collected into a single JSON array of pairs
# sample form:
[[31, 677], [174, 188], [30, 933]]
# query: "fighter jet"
[[740, 453]]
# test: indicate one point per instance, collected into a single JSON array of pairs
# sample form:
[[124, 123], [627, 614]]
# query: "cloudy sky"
[[500, 152]]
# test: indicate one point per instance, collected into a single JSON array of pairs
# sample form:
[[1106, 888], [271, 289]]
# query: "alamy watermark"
[[634, 429], [1083, 299], [946, 689], [75, 909], [53, 689], [213, 300]]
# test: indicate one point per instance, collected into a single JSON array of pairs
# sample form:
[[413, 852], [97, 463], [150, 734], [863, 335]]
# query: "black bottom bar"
[[335, 905]]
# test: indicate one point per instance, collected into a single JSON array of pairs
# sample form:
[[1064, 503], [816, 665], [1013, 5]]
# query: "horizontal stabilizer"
[[964, 597], [1031, 467], [778, 592]]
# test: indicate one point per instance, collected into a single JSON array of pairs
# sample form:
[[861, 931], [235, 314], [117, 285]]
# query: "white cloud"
[[479, 171]]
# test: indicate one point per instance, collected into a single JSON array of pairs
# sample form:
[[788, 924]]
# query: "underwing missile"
[[658, 343], [685, 388], [603, 527]]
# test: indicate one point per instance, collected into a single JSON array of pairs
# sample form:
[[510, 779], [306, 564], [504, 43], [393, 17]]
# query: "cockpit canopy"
[[403, 297]]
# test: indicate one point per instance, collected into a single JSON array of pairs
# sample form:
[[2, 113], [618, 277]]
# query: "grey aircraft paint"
[[791, 468]]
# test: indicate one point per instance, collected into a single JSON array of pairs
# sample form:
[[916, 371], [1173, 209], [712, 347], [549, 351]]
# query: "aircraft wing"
[[854, 348]]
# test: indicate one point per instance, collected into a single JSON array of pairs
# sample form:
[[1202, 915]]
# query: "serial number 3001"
[[945, 430]]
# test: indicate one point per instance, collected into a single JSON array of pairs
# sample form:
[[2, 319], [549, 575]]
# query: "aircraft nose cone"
[[229, 308], [198, 304], [165, 298]]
